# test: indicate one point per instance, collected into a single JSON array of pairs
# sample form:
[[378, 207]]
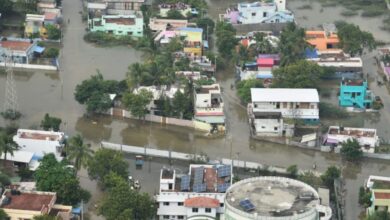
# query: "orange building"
[[322, 41]]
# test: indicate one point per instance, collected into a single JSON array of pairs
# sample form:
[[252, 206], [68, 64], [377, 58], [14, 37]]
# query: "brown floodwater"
[[41, 92]]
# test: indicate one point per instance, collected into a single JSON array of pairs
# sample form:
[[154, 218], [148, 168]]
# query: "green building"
[[121, 25]]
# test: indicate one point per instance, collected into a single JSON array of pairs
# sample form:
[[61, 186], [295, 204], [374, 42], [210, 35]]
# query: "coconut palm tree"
[[78, 152], [7, 145], [3, 214]]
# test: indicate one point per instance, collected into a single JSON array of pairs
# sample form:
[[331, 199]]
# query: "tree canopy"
[[174, 14], [379, 215], [78, 152], [292, 44], [122, 202], [226, 40], [301, 74], [51, 123], [7, 145], [137, 103], [330, 175], [105, 161], [244, 89], [353, 40], [5, 7], [207, 24], [54, 176], [94, 92], [53, 33], [351, 150]]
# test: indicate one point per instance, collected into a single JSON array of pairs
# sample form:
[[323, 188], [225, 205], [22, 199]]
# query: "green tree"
[[51, 123], [293, 171], [330, 175], [137, 103], [52, 52], [5, 7], [53, 33], [105, 161], [263, 45], [179, 103], [310, 178], [353, 40], [226, 40], [45, 217], [301, 74], [124, 203], [351, 150], [364, 197], [292, 44], [7, 145], [26, 6], [3, 215], [163, 104], [54, 176], [78, 152], [207, 24], [244, 89], [379, 215], [174, 14]]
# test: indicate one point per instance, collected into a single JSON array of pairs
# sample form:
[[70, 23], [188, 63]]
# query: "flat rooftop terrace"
[[33, 201], [273, 196], [355, 132], [39, 135]]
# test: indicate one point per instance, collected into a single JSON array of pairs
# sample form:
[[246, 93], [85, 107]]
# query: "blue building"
[[355, 93]]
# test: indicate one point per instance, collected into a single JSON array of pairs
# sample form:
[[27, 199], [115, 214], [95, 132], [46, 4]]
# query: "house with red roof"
[[21, 50], [379, 187], [200, 194]]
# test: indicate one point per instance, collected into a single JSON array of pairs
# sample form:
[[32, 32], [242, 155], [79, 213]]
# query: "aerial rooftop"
[[284, 95], [29, 201], [39, 135], [272, 196], [16, 45], [355, 132]]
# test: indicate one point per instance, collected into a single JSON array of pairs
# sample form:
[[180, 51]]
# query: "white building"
[[41, 142], [259, 12], [274, 198], [367, 137], [272, 110], [209, 105], [21, 50], [200, 194]]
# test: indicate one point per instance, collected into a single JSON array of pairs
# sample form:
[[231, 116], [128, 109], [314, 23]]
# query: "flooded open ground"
[[40, 92]]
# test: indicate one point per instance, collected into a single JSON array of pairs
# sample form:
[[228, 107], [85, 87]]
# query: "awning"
[[19, 156], [205, 44], [39, 49], [76, 210], [331, 141], [264, 76]]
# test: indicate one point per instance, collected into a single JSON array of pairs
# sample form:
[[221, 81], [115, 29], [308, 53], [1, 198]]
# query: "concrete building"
[[193, 42], [21, 50], [121, 25], [200, 194], [209, 106], [41, 142], [379, 186], [28, 204], [158, 24], [35, 26], [322, 40], [367, 137], [260, 69], [273, 111], [123, 7], [183, 8], [276, 198], [259, 12], [355, 93]]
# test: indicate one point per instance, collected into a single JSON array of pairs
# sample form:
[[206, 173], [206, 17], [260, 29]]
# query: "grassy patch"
[[330, 111], [349, 13], [305, 7], [107, 40]]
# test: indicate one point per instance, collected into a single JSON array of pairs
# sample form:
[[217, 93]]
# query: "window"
[[195, 210], [221, 205], [180, 204], [208, 210], [166, 203], [166, 217], [180, 217], [129, 33], [254, 14], [275, 128], [110, 31], [264, 14], [119, 32], [170, 186], [255, 105]]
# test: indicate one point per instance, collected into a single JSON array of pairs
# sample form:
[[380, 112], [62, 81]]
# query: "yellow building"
[[27, 204], [193, 43], [380, 200], [35, 25]]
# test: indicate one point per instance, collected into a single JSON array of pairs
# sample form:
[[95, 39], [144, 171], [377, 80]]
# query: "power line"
[[10, 103]]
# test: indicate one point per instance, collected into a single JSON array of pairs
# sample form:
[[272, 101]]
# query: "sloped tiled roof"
[[201, 202]]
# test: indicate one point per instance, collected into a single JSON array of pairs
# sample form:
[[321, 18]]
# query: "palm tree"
[[3, 214], [7, 145], [78, 152]]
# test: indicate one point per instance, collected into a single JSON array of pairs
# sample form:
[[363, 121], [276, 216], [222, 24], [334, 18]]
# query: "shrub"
[[331, 112], [51, 53]]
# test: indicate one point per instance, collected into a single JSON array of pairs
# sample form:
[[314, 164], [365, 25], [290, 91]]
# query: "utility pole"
[[10, 103]]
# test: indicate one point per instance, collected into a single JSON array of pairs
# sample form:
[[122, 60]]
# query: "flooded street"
[[40, 92]]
